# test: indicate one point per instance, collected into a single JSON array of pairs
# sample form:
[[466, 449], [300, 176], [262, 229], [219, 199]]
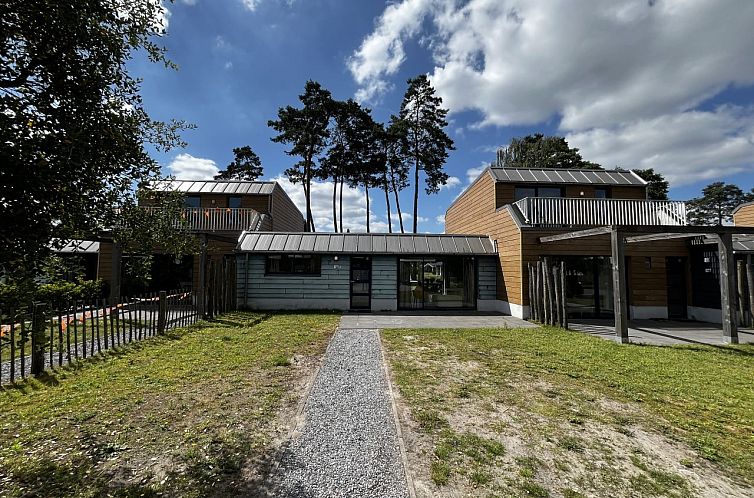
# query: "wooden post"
[[37, 340], [551, 292], [162, 312], [545, 304], [750, 282], [200, 295], [564, 308], [540, 309], [531, 291], [558, 295], [116, 272], [619, 285], [741, 293], [727, 287]]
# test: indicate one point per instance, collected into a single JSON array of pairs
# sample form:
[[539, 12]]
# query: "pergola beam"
[[661, 231], [575, 235], [663, 236]]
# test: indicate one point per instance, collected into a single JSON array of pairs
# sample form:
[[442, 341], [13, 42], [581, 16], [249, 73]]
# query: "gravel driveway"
[[348, 444]]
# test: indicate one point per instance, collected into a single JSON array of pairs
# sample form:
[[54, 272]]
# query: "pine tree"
[[246, 166], [426, 144]]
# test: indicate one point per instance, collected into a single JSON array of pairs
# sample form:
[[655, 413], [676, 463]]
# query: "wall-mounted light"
[[335, 258], [648, 262]]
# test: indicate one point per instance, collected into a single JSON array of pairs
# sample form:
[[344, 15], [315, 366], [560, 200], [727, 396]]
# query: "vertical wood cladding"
[[744, 217], [474, 212], [285, 215]]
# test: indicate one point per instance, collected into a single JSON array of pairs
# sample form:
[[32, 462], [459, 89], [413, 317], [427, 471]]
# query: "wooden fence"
[[219, 287], [547, 293], [38, 338], [745, 292]]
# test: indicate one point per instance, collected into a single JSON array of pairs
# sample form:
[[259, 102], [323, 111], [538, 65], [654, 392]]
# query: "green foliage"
[[716, 205], [657, 188], [57, 293], [539, 151], [74, 134], [426, 145], [246, 166], [306, 131]]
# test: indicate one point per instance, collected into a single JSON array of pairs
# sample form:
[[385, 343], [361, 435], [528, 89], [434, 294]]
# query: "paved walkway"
[[431, 320], [348, 444], [662, 332]]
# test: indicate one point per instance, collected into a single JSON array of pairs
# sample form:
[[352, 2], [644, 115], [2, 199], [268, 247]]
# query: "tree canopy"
[[657, 185], [74, 134], [540, 151], [716, 205], [426, 146], [306, 131], [246, 166]]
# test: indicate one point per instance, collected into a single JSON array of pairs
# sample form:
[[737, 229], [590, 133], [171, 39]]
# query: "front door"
[[675, 268], [361, 283]]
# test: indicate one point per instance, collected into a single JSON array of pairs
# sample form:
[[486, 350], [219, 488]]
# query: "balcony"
[[564, 211], [212, 219]]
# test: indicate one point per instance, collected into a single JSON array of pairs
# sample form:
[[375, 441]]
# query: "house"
[[743, 215], [217, 212], [377, 272], [588, 218]]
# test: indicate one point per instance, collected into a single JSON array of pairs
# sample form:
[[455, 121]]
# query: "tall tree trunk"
[[386, 188], [416, 193], [342, 228], [306, 196], [397, 198], [334, 203], [366, 190]]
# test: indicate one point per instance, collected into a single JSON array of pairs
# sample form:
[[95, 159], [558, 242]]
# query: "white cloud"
[[381, 53], [228, 65], [686, 147], [440, 219], [453, 182], [189, 2], [188, 167], [473, 173], [251, 4], [605, 72]]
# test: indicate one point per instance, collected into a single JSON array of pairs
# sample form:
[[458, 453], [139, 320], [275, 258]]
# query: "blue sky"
[[633, 83]]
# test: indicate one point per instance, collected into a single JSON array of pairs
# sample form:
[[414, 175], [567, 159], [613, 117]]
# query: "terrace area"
[[219, 219]]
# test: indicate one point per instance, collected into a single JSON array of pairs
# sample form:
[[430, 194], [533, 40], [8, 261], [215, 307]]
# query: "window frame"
[[198, 199], [233, 197], [314, 257], [536, 189]]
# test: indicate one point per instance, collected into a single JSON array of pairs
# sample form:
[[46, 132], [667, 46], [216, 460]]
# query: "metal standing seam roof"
[[79, 247], [355, 243], [225, 187], [566, 176]]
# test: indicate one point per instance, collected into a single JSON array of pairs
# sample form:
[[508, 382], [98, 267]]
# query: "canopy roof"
[[227, 187]]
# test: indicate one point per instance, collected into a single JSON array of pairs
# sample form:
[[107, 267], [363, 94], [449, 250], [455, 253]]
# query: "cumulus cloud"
[[685, 146], [604, 71], [473, 173], [188, 167], [251, 4], [381, 53], [453, 182]]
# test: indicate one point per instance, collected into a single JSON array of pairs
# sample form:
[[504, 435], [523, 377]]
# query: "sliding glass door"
[[437, 283]]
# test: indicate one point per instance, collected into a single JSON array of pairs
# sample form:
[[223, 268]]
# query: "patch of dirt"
[[583, 457]]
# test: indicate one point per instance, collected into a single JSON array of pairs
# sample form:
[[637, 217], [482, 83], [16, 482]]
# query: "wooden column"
[[750, 285], [116, 272], [619, 285], [727, 287], [200, 292]]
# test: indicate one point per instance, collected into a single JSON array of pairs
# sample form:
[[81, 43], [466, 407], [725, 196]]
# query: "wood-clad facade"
[[655, 270], [743, 215]]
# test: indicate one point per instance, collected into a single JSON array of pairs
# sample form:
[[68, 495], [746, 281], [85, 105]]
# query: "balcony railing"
[[215, 219], [564, 211]]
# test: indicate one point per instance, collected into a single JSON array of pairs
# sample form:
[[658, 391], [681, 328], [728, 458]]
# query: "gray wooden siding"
[[333, 282], [384, 277], [487, 275]]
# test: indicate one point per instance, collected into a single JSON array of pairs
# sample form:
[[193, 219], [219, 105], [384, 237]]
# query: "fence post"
[[162, 312], [37, 340]]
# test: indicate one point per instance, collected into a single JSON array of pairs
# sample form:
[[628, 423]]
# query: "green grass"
[[702, 395], [186, 414]]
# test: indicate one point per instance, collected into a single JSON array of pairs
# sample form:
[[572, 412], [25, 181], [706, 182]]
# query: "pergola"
[[620, 235]]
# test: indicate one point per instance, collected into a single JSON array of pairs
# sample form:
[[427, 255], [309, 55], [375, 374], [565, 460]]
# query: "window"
[[293, 264], [234, 201], [521, 192], [192, 201], [601, 193]]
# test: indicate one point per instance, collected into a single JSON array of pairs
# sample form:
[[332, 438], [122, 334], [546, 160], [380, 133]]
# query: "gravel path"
[[348, 444]]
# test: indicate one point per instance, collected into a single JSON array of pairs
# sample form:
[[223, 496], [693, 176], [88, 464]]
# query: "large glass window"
[[437, 283], [293, 264], [589, 286], [192, 201], [522, 192], [234, 201]]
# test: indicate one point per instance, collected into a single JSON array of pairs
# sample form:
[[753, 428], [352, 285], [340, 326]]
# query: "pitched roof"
[[566, 176], [364, 243], [226, 187], [745, 204]]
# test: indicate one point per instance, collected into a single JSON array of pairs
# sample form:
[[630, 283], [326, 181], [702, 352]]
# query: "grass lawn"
[[547, 412], [190, 414]]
